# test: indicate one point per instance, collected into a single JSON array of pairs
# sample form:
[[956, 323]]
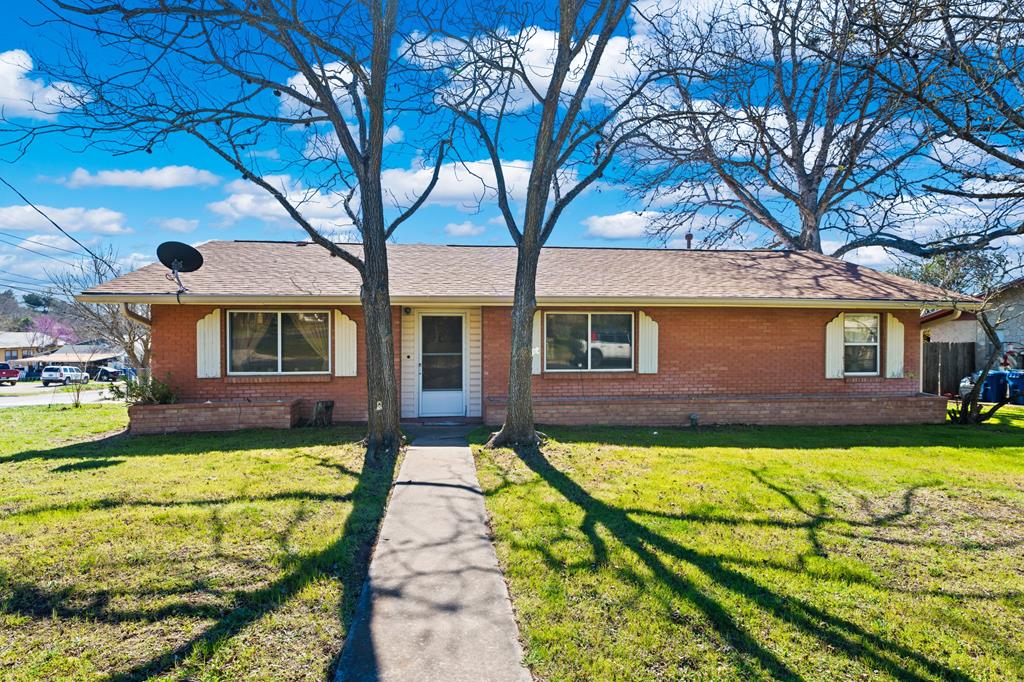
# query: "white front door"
[[442, 365]]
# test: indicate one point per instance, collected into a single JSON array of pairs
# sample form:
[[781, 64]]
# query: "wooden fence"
[[945, 364]]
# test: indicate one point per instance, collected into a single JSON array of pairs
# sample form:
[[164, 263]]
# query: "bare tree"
[[297, 98], [122, 329], [971, 272], [569, 90], [797, 137], [962, 63]]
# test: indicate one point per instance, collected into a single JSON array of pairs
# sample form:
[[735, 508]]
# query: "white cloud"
[[134, 261], [465, 229], [164, 177], [72, 219], [535, 49], [625, 225], [461, 185], [21, 96], [325, 211], [872, 256], [182, 225]]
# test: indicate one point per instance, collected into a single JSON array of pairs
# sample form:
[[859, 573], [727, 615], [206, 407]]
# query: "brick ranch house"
[[621, 336]]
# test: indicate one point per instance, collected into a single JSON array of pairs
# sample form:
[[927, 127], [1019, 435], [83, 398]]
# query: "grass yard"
[[203, 557], [751, 553]]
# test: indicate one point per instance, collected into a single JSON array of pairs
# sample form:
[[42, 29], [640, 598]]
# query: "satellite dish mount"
[[178, 258]]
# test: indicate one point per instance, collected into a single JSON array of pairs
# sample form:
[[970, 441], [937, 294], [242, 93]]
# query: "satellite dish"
[[178, 257]]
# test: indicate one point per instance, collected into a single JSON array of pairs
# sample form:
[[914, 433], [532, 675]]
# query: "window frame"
[[877, 344], [590, 314], [280, 359]]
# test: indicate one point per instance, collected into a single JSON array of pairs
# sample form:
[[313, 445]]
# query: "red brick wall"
[[703, 352], [707, 357], [761, 410], [213, 416], [174, 360]]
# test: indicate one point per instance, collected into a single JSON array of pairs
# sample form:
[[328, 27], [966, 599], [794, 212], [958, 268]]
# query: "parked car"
[[614, 346], [105, 373], [57, 374], [8, 374]]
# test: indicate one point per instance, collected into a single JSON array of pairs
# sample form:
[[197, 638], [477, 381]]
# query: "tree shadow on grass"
[[344, 559], [86, 464], [831, 630], [121, 445]]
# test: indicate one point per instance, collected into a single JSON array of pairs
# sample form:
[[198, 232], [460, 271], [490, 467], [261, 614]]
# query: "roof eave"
[[546, 301]]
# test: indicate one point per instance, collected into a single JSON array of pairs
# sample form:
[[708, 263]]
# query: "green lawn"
[[749, 553], [205, 557]]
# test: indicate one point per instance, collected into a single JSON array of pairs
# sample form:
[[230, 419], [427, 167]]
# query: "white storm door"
[[442, 366]]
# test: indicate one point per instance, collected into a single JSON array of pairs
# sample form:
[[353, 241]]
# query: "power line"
[[33, 241], [61, 229], [38, 287], [26, 291], [38, 253], [27, 278]]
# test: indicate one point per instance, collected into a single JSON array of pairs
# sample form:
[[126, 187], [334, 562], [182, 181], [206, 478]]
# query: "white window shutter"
[[648, 345], [894, 334], [834, 364], [208, 346], [536, 342], [344, 345]]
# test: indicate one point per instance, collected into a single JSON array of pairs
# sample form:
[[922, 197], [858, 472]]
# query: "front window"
[[861, 341], [580, 342], [262, 342], [10, 355]]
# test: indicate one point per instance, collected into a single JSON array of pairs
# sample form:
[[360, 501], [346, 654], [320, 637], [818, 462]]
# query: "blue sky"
[[183, 192]]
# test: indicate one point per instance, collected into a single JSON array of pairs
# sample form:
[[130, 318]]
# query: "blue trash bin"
[[1015, 380], [994, 389]]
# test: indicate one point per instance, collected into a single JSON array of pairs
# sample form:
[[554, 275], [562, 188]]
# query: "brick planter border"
[[223, 415], [811, 410]]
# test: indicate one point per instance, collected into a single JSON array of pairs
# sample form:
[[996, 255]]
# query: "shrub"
[[145, 390]]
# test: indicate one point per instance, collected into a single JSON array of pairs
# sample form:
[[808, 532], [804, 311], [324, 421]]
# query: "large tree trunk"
[[518, 428], [384, 433]]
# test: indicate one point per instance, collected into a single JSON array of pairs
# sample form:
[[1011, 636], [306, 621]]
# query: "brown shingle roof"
[[290, 269]]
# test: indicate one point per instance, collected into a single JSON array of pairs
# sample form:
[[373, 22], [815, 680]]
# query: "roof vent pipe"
[[689, 240]]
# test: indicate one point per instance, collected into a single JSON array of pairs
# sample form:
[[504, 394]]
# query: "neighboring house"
[[16, 346], [80, 354], [949, 326], [621, 336], [1006, 306]]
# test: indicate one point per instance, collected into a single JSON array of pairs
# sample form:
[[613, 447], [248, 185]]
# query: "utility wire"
[[28, 285], [28, 278], [33, 241], [61, 229], [38, 253], [25, 291]]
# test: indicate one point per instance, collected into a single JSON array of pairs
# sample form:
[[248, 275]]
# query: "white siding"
[[410, 367], [834, 367], [537, 331], [894, 335], [208, 346], [475, 397], [648, 345], [411, 360], [345, 344]]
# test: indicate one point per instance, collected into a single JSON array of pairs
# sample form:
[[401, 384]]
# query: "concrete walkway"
[[435, 606]]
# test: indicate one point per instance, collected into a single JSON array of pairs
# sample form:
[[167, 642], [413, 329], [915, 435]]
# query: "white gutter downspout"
[[135, 317]]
